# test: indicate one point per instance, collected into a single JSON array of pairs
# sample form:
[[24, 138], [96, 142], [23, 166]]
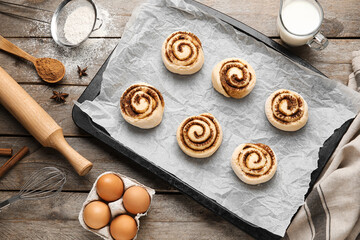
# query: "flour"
[[79, 24]]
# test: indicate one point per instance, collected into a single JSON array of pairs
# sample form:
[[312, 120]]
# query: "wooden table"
[[173, 215]]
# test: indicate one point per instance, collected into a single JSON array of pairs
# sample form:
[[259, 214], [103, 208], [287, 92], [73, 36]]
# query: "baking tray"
[[83, 121]]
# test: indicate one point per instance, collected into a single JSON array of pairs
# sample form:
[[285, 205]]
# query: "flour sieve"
[[73, 22]]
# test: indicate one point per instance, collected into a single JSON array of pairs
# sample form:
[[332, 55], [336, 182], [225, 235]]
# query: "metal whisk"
[[44, 183]]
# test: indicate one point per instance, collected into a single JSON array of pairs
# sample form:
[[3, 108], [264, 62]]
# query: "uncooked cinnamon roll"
[[199, 136], [233, 77], [254, 163], [182, 53], [286, 110], [142, 105]]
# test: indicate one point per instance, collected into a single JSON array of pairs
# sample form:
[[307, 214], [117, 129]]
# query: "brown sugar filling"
[[171, 56], [148, 92], [186, 126], [293, 101], [266, 151], [234, 83]]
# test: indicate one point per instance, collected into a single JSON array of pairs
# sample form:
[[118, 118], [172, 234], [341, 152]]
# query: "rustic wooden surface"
[[173, 215]]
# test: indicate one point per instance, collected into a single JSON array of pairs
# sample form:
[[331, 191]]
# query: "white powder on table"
[[79, 24]]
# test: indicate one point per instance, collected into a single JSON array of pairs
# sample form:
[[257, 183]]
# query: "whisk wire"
[[42, 190], [40, 195], [46, 187], [43, 184], [35, 179]]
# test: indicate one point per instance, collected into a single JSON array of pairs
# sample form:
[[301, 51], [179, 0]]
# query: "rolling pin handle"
[[57, 141], [38, 122]]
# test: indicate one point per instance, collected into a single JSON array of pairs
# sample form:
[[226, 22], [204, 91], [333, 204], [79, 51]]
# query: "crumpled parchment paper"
[[137, 58]]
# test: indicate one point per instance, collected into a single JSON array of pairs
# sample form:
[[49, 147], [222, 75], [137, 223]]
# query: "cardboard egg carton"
[[116, 207]]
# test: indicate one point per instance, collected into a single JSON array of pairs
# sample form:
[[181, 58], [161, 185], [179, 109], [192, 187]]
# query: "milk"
[[300, 21]]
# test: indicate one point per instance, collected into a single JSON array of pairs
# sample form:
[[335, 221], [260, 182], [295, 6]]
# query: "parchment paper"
[[137, 58]]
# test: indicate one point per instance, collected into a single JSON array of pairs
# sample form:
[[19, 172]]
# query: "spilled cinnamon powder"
[[49, 69]]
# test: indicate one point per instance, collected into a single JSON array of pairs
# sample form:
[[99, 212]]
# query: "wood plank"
[[60, 112], [340, 17], [338, 52], [170, 217], [91, 54], [334, 61], [102, 156], [71, 229], [115, 15], [67, 205]]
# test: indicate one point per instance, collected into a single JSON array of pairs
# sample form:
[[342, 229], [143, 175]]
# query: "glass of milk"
[[299, 21]]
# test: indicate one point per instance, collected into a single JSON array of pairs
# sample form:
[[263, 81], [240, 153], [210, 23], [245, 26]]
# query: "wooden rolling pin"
[[38, 122]]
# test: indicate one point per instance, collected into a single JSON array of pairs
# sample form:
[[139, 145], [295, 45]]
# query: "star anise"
[[59, 96], [82, 72]]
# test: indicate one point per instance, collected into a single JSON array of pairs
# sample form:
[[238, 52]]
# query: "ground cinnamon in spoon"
[[50, 70]]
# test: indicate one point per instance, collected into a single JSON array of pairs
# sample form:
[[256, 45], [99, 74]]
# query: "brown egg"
[[136, 200], [110, 187], [123, 227], [96, 214]]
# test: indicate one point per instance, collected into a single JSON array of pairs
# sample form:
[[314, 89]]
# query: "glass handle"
[[318, 42], [99, 22]]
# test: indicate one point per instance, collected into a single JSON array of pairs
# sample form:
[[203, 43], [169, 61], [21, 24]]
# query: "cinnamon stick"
[[14, 159], [5, 151]]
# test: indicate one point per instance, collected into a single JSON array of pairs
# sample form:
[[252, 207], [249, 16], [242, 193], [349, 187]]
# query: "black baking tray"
[[83, 121]]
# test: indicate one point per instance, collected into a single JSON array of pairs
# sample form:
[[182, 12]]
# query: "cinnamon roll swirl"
[[254, 163], [182, 53], [233, 77], [286, 110], [199, 136], [142, 105]]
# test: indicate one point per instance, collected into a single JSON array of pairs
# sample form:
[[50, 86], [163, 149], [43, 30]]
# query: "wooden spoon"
[[50, 70]]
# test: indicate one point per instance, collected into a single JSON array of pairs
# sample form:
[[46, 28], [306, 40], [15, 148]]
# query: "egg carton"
[[116, 207]]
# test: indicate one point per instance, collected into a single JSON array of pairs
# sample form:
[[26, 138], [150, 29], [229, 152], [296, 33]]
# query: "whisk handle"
[[9, 201], [4, 204]]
